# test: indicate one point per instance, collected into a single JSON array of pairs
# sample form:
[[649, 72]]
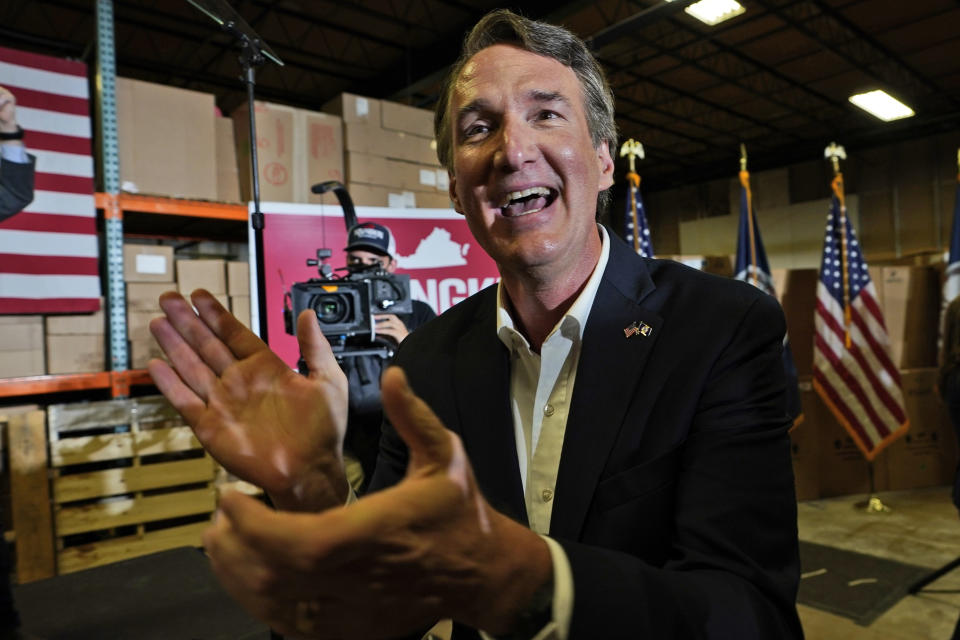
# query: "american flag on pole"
[[852, 369], [49, 251], [636, 230], [752, 266]]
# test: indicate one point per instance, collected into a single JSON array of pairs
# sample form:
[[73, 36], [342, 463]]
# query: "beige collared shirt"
[[541, 387]]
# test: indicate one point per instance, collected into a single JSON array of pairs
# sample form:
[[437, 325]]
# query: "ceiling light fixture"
[[882, 105], [714, 12]]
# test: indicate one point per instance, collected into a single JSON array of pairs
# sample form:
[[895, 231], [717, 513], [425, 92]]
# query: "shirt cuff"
[[558, 628], [14, 153]]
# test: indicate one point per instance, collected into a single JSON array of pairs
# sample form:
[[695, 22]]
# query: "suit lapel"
[[482, 387], [608, 376]]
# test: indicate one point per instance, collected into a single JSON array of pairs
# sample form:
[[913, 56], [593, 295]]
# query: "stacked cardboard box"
[[927, 455], [228, 176], [21, 346], [143, 305], [76, 343], [208, 273], [390, 155], [148, 272], [167, 140], [911, 309], [238, 289], [296, 149]]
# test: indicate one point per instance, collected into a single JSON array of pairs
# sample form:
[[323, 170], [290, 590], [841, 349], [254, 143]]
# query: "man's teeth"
[[517, 195]]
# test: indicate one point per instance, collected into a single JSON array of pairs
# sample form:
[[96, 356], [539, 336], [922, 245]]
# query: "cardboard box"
[[138, 324], [142, 351], [322, 135], [296, 149], [369, 195], [147, 263], [145, 296], [75, 353], [401, 117], [365, 138], [274, 125], [240, 307], [80, 324], [354, 108], [798, 297], [842, 468], [209, 274], [21, 346], [167, 140], [238, 278], [399, 174], [804, 448], [20, 363], [433, 200], [926, 456], [911, 307], [228, 176]]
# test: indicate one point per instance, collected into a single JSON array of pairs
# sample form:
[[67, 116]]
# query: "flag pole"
[[745, 183], [836, 153], [632, 149]]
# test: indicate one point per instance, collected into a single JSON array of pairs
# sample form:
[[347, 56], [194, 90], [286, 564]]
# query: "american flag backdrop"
[[49, 251], [852, 369], [636, 231]]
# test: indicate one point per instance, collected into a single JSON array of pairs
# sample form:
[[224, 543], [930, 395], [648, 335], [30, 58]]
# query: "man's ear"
[[606, 165], [452, 188]]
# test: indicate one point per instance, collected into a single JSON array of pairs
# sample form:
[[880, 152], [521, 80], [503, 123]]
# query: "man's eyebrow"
[[540, 95]]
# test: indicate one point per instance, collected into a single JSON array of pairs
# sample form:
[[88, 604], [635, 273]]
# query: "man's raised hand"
[[260, 419]]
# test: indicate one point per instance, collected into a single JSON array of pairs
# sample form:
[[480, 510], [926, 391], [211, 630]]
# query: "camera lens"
[[330, 309]]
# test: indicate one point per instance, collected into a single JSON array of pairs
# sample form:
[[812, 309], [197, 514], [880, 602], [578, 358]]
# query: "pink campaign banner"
[[434, 246]]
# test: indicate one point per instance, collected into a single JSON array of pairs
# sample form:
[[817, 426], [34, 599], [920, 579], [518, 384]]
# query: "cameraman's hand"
[[259, 418], [390, 325]]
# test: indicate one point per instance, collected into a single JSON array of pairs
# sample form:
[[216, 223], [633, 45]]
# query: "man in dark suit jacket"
[[16, 168], [596, 447]]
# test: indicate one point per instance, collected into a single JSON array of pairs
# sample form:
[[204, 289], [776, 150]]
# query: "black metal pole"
[[256, 218]]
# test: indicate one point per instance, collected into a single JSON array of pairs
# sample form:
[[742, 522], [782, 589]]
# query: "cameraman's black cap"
[[371, 236]]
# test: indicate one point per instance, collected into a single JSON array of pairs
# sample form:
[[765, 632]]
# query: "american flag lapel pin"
[[638, 329]]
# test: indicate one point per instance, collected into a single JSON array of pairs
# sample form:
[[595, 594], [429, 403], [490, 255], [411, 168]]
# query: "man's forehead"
[[494, 64]]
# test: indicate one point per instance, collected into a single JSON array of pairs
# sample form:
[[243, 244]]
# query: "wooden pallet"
[[128, 479]]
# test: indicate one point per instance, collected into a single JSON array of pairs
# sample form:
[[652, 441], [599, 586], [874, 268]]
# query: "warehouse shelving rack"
[[114, 205]]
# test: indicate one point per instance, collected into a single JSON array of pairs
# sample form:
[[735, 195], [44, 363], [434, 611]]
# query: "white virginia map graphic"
[[435, 251]]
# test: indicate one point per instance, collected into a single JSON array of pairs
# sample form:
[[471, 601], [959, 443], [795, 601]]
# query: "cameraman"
[[371, 244]]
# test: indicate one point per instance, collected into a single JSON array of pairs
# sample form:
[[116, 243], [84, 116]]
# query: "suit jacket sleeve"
[[731, 568], [16, 187]]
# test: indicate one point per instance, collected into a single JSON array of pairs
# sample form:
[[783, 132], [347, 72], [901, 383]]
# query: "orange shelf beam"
[[119, 383], [169, 206]]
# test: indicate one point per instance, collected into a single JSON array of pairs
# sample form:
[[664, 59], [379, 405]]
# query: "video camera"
[[345, 304]]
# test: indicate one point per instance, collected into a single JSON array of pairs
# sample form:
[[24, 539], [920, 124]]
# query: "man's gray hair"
[[505, 27]]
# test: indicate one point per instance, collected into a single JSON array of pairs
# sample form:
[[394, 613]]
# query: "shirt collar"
[[579, 311]]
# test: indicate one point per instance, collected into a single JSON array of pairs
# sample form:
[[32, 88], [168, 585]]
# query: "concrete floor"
[[921, 528]]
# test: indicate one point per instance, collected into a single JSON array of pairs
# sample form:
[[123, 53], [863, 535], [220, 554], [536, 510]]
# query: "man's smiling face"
[[525, 171]]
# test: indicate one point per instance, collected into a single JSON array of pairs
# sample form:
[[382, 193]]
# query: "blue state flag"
[[752, 266], [636, 231]]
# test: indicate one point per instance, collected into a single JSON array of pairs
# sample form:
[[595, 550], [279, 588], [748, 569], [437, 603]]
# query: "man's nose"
[[517, 145]]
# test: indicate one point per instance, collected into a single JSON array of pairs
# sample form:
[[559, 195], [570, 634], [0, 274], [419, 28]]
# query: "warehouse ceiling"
[[776, 78]]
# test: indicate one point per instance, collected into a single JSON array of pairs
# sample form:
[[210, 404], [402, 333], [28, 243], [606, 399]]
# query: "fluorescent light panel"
[[882, 105], [714, 11]]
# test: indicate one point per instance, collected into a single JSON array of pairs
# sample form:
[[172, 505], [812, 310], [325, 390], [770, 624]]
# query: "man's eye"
[[475, 129], [547, 115]]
